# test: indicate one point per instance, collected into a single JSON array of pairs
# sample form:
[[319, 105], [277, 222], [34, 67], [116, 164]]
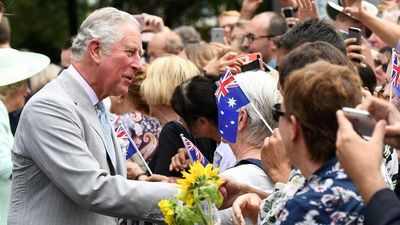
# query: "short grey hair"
[[260, 88], [102, 24]]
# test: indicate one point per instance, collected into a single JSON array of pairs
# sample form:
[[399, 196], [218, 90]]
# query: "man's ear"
[[295, 127], [121, 98], [243, 119], [94, 50]]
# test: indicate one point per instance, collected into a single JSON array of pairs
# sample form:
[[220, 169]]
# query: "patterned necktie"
[[105, 125]]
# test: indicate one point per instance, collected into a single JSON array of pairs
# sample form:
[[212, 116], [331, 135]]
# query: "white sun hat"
[[333, 8], [16, 66]]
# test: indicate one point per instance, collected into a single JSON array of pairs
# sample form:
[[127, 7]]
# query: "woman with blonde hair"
[[163, 76]]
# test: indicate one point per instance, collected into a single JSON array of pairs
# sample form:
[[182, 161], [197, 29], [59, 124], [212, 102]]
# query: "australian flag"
[[230, 98], [193, 152], [395, 72], [123, 135]]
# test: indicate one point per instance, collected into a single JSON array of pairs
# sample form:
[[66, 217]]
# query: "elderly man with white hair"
[[261, 89], [68, 166]]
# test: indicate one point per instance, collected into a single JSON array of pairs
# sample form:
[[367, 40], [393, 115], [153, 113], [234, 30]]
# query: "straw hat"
[[16, 66], [333, 9]]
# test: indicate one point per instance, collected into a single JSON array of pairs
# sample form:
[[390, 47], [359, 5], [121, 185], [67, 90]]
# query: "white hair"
[[260, 88], [102, 24]]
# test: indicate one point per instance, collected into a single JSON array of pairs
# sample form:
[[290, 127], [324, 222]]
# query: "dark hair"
[[368, 77], [308, 53], [313, 94], [5, 31], [68, 42], [195, 98], [309, 31], [277, 25]]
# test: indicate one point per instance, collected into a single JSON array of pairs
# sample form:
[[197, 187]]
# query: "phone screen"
[[355, 32], [362, 121], [217, 35]]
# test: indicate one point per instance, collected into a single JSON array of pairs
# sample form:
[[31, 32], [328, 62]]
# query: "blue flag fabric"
[[228, 125], [230, 98], [193, 152], [229, 95]]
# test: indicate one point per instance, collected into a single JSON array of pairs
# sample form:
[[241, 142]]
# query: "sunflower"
[[167, 209]]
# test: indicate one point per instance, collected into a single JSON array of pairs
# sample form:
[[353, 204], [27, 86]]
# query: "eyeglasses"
[[277, 112], [251, 37], [379, 63]]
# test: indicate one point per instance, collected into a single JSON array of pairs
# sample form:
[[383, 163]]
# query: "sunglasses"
[[379, 63], [277, 112]]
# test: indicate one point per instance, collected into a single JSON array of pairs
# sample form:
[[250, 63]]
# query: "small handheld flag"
[[131, 150], [230, 97], [193, 152]]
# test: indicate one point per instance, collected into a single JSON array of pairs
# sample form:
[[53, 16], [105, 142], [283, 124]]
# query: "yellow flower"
[[196, 177], [167, 210]]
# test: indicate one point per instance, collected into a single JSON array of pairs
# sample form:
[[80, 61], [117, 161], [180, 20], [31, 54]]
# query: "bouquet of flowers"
[[197, 200]]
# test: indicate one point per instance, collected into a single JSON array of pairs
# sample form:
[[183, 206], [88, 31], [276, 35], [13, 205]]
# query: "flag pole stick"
[[137, 150], [262, 118]]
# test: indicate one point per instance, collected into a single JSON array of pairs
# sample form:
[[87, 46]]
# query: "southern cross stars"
[[231, 102]]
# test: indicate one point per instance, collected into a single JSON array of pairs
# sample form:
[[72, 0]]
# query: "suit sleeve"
[[55, 140], [383, 208]]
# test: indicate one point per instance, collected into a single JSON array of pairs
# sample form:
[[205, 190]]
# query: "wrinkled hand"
[[133, 169], [153, 23], [353, 7], [354, 51], [274, 159], [156, 178], [291, 21], [216, 66], [306, 10], [180, 161], [359, 157], [246, 206], [249, 7], [231, 190], [382, 110]]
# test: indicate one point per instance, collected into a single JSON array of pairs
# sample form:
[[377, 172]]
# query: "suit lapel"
[[85, 105]]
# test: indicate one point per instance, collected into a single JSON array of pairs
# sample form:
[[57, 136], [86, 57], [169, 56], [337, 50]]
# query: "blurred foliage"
[[44, 25]]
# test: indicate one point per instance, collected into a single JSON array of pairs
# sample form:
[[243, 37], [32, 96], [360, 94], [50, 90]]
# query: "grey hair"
[[260, 88], [102, 24]]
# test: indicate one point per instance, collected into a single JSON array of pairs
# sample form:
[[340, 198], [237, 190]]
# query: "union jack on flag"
[[193, 152], [226, 81], [121, 133], [395, 70]]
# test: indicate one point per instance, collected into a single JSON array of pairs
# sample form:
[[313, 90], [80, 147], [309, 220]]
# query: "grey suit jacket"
[[61, 174]]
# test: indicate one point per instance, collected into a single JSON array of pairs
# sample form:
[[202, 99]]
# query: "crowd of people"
[[126, 81]]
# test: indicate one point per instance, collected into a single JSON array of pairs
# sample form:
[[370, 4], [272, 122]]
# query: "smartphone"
[[252, 61], [362, 121], [355, 32], [288, 11], [217, 35], [247, 58]]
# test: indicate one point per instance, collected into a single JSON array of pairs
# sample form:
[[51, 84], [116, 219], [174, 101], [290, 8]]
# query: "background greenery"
[[44, 25]]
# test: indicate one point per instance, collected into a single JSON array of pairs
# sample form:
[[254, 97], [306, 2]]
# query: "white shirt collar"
[[89, 90]]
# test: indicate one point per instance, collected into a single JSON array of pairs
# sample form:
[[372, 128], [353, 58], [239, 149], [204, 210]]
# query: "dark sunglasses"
[[379, 63], [277, 112]]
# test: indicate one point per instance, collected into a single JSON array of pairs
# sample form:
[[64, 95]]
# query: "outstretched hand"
[[246, 206]]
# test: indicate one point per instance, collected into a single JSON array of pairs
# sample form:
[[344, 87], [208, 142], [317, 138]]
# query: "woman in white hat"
[[15, 69]]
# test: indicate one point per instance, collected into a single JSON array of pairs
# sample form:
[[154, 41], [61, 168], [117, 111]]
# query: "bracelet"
[[139, 175]]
